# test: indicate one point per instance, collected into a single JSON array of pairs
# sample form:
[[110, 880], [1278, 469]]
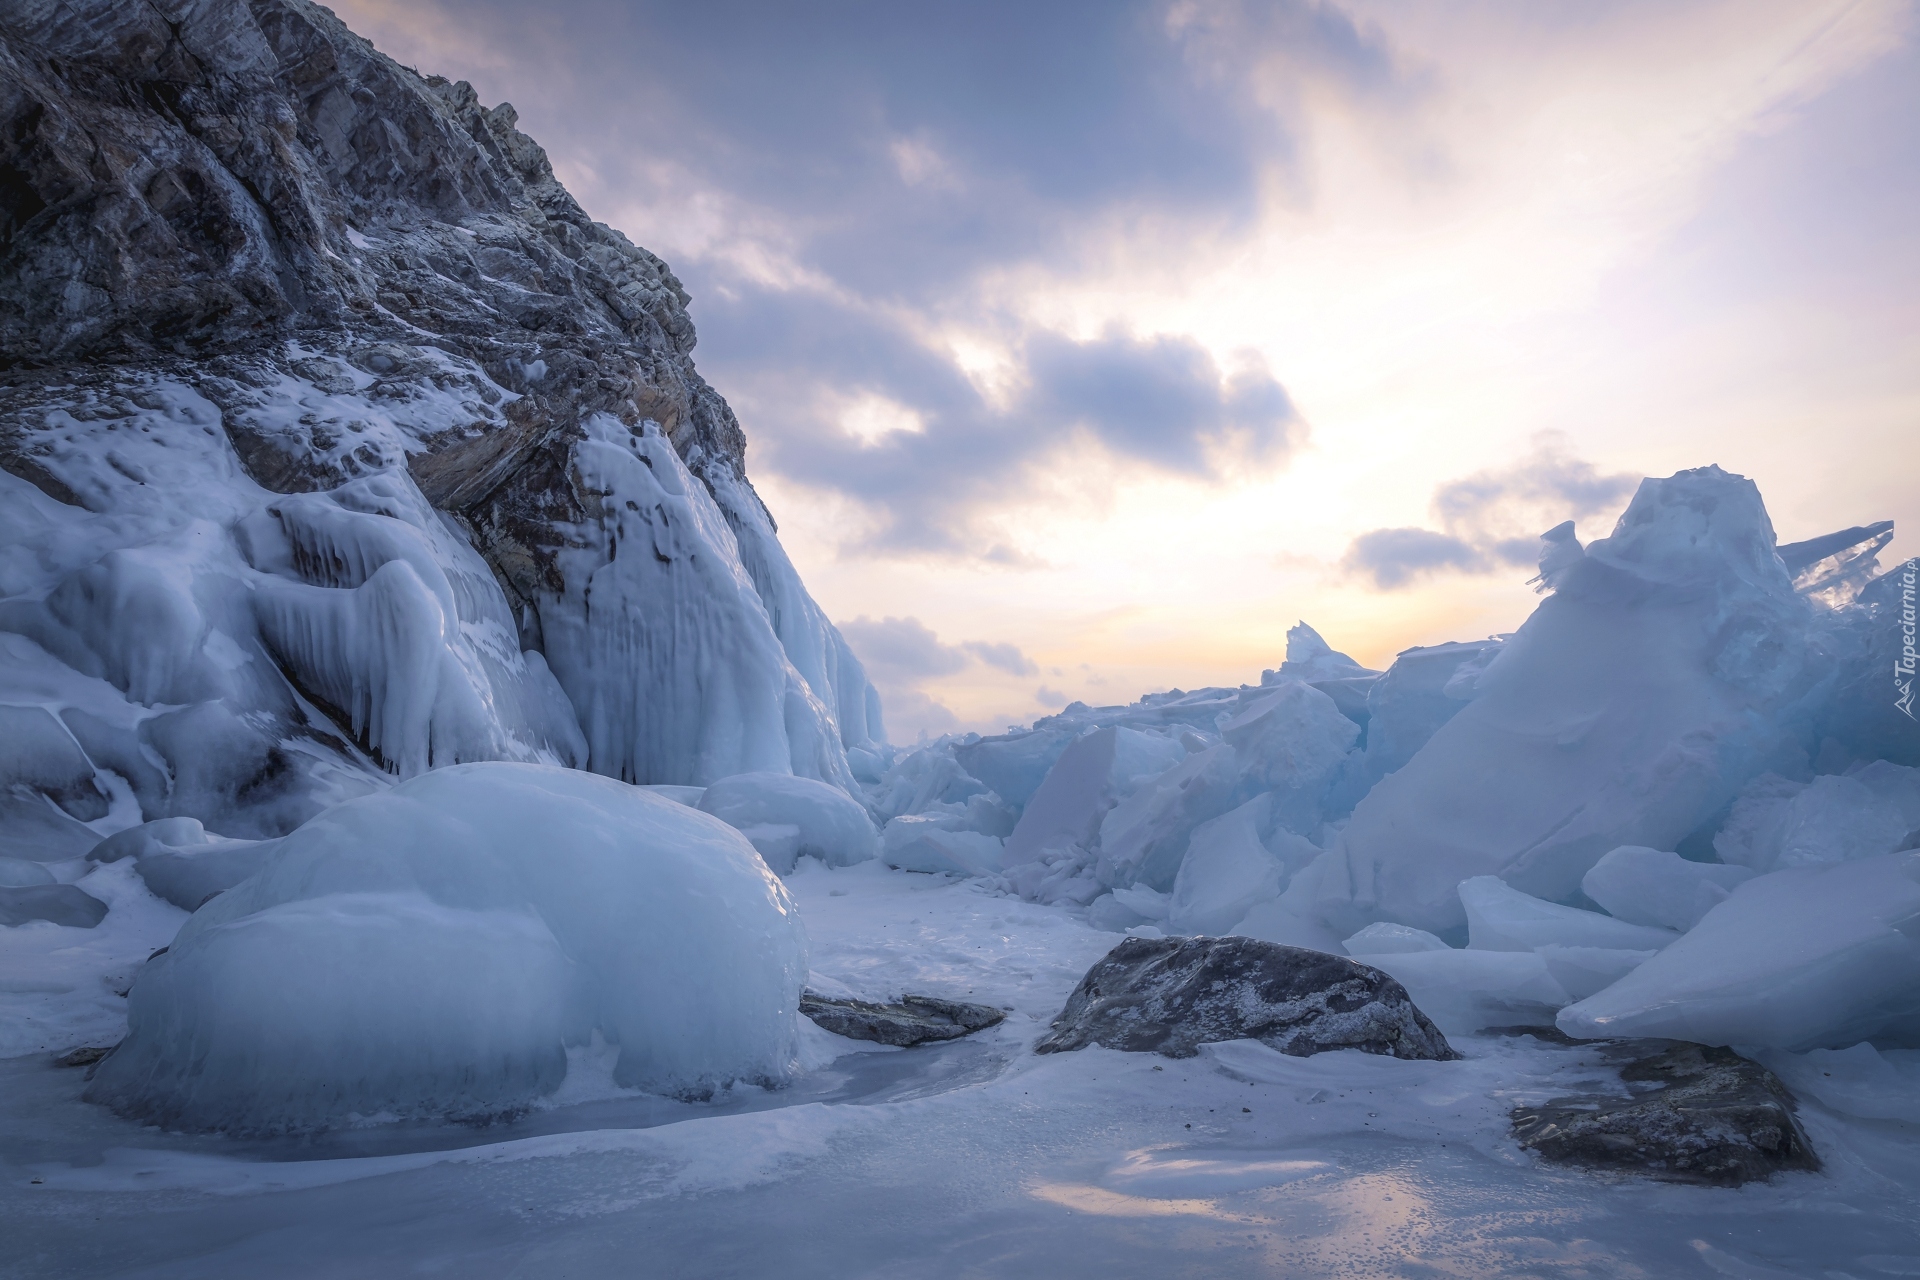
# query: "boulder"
[[912, 1020], [1696, 1114], [1172, 995]]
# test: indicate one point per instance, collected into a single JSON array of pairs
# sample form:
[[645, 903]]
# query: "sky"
[[1084, 348]]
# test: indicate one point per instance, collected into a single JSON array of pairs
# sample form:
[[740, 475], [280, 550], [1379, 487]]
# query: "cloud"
[[1162, 402], [841, 185], [1004, 656], [902, 648], [903, 655], [1396, 557], [1492, 519], [1050, 697]]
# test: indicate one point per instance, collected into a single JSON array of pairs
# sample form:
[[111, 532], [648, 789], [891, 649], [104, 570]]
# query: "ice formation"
[[1498, 820], [432, 949], [787, 818], [1665, 890], [1805, 958], [663, 641]]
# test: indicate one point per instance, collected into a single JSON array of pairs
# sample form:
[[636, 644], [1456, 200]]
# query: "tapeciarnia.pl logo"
[[1904, 664]]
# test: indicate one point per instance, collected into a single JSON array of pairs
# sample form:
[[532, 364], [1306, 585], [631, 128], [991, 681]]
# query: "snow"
[[824, 822], [511, 941], [431, 950], [945, 1159], [1809, 957]]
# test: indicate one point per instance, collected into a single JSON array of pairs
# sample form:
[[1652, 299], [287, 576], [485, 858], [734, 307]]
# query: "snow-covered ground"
[[972, 1158]]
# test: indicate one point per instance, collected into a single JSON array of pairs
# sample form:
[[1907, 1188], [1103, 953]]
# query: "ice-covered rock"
[[787, 818], [1689, 1114], [1664, 890], [909, 1021], [306, 491], [1501, 918], [1808, 957], [660, 635], [433, 949], [183, 862], [1628, 709], [1172, 995]]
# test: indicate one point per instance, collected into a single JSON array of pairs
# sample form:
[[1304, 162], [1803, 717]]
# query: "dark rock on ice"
[[1697, 1115], [85, 1056], [913, 1020], [60, 903], [1172, 995]]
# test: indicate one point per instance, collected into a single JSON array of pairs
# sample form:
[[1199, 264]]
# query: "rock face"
[[1172, 995], [325, 411], [1698, 1115], [913, 1020]]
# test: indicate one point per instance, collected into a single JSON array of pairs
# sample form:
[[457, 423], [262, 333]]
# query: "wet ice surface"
[[971, 1158]]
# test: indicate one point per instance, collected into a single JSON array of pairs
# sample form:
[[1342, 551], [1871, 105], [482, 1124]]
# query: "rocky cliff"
[[339, 441]]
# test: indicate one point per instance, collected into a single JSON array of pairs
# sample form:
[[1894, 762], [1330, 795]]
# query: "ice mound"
[[1628, 709], [183, 862], [1501, 918], [1664, 890], [431, 951], [1809, 957], [788, 818]]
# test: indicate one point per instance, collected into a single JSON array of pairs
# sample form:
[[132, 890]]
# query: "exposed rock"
[[1696, 1114], [914, 1020], [1172, 995], [60, 903], [240, 246], [85, 1056]]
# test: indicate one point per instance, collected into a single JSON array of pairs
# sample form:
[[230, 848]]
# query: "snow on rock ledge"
[[430, 951]]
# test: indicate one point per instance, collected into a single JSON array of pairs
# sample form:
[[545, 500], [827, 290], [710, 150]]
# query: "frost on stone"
[[432, 950]]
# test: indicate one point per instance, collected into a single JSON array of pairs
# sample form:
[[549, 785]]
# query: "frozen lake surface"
[[974, 1158]]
